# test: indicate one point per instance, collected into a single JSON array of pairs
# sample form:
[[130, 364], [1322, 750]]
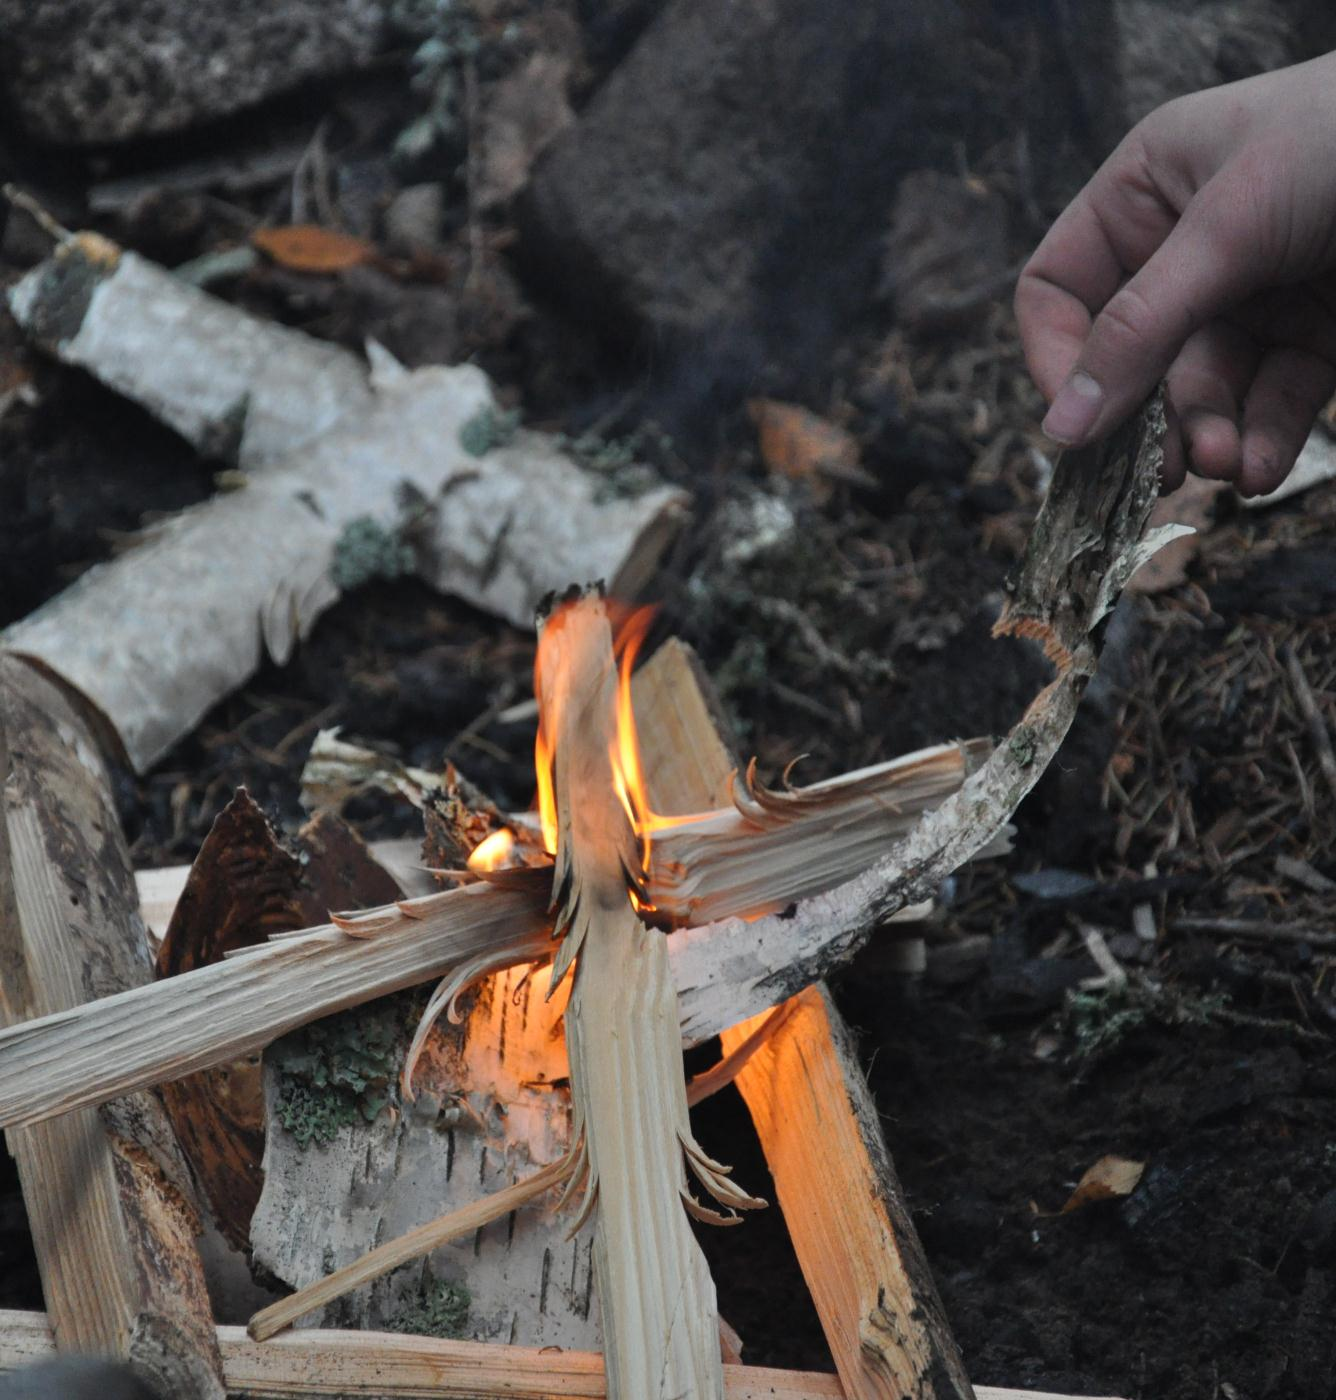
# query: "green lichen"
[[342, 1069], [620, 462], [367, 550], [437, 1309], [488, 429], [1101, 1020]]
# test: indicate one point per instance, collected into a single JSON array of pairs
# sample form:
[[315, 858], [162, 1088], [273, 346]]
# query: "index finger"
[[1103, 236]]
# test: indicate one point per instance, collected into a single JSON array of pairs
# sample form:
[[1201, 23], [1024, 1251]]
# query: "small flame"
[[494, 852]]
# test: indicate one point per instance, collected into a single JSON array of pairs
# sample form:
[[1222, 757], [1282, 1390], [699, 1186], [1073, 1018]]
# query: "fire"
[[628, 778], [493, 852]]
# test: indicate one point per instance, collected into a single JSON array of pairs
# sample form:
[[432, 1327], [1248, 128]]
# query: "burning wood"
[[630, 1132], [1086, 541]]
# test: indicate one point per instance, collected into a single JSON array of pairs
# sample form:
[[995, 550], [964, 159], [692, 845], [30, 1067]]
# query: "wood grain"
[[336, 1365], [108, 1203]]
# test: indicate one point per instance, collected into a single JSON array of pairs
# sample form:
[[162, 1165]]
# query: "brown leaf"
[[525, 112], [1110, 1178], [310, 248], [800, 444]]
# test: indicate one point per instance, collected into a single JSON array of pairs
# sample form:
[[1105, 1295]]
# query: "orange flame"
[[631, 627], [493, 852]]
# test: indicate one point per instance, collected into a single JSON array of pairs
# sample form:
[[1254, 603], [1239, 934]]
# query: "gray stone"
[[1129, 57], [82, 72], [739, 152]]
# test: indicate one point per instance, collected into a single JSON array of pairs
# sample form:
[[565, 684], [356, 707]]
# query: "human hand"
[[1203, 251]]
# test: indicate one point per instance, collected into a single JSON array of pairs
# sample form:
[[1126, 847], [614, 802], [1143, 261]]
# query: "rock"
[[75, 1378], [1131, 56], [413, 220], [946, 250], [85, 72], [740, 158]]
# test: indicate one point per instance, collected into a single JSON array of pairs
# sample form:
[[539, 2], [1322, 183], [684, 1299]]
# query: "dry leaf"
[[525, 112], [803, 446], [1110, 1178], [310, 248]]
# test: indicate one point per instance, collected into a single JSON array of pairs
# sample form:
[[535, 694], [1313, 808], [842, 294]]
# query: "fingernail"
[[1072, 414]]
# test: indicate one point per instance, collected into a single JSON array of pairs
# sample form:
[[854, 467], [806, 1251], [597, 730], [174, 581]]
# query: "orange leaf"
[[1110, 1178], [310, 248], [798, 443]]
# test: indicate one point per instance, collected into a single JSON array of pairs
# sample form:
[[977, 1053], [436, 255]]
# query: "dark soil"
[[1001, 1080]]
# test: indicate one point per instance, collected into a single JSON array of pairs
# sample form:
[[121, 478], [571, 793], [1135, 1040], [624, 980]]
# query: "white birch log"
[[490, 1109], [157, 636]]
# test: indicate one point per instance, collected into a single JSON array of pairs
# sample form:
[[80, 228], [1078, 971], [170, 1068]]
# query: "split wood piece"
[[160, 887], [389, 490], [107, 1194], [845, 1209], [631, 1130], [218, 1013], [244, 887], [837, 1186], [1089, 538], [338, 1365], [770, 847]]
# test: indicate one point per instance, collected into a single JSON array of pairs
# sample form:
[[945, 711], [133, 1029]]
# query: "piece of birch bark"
[[113, 1220], [490, 1109], [339, 1365]]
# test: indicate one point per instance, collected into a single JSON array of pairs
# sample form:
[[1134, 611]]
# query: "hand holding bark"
[[1204, 250]]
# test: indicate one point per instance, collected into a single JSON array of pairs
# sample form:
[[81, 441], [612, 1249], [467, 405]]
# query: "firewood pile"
[[663, 897]]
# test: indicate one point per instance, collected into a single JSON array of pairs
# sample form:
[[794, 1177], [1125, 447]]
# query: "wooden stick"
[[270, 1321], [631, 1129], [112, 1218], [1090, 537], [337, 1365], [801, 1079], [206, 1017], [846, 1211]]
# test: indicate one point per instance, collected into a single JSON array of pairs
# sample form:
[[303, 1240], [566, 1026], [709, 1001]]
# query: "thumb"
[[1207, 263]]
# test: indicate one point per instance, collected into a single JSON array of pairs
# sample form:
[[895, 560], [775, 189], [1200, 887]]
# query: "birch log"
[[805, 1089], [490, 1109], [108, 1203], [337, 1365]]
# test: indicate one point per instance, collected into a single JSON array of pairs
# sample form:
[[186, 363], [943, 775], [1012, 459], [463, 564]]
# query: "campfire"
[[656, 897]]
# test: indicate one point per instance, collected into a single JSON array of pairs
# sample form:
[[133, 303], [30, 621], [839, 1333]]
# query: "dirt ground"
[[1001, 1077]]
